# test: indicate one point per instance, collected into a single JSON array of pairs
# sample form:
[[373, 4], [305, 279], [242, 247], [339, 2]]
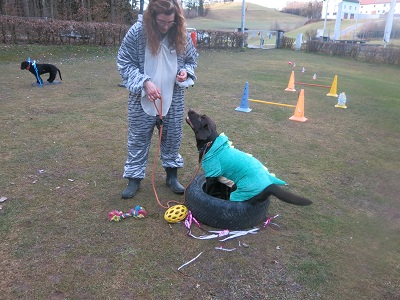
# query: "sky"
[[272, 3]]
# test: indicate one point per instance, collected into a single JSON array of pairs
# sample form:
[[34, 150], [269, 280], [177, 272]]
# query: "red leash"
[[159, 111]]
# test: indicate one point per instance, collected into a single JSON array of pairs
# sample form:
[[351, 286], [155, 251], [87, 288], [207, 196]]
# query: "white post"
[[326, 13], [141, 7], [336, 34], [389, 23], [355, 28], [243, 16], [299, 39]]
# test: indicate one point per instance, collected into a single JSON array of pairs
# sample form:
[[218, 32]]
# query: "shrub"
[[16, 30], [287, 42], [212, 39], [369, 53]]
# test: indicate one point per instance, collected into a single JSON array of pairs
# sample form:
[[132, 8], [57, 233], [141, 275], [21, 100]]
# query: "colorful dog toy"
[[137, 212]]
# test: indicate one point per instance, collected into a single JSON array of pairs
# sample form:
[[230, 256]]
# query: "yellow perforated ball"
[[176, 213]]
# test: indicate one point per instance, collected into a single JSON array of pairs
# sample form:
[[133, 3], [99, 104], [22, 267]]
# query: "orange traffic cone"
[[290, 86], [299, 110]]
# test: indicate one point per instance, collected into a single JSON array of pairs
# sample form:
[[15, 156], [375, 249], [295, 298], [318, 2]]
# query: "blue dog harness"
[[36, 71], [250, 175]]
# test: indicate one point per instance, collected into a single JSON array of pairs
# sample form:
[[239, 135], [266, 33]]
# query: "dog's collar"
[[205, 147]]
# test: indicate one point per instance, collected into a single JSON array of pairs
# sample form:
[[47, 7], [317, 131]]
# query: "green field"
[[228, 17], [63, 149]]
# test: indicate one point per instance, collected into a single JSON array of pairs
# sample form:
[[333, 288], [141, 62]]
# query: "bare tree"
[[89, 9], [2, 7], [44, 14], [25, 8], [51, 9], [112, 12], [81, 10]]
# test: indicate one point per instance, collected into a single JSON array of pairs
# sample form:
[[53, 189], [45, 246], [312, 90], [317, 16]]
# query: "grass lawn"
[[228, 17], [63, 147]]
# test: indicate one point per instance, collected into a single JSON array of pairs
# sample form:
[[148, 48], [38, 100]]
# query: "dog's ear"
[[207, 127], [203, 133]]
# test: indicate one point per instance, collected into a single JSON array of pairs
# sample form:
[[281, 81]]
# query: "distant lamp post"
[[389, 23], [243, 17], [140, 16], [355, 28], [326, 14]]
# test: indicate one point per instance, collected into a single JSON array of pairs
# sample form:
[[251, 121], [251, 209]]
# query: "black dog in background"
[[41, 69]]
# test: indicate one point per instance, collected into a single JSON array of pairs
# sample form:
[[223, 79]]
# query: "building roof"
[[369, 2]]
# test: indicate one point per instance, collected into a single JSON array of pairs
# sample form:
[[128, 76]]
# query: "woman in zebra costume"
[[156, 61]]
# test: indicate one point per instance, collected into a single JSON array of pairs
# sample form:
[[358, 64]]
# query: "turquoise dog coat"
[[250, 175]]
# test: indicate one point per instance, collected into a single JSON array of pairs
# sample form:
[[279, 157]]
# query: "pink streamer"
[[269, 221]]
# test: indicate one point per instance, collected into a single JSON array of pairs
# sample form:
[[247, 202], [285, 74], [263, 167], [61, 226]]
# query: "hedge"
[[15, 30], [366, 52]]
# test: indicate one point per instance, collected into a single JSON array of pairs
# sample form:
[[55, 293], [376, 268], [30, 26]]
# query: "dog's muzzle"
[[189, 123]]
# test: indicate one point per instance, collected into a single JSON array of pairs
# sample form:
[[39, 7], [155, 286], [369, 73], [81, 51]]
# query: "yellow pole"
[[273, 103]]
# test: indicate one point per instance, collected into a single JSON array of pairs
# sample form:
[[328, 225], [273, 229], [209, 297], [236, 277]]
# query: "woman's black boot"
[[172, 181], [131, 189]]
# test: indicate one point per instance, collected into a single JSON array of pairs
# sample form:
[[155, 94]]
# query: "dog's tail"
[[59, 73], [286, 196], [281, 194]]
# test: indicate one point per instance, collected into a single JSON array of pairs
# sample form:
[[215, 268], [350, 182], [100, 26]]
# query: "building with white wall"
[[364, 8], [349, 9], [377, 7]]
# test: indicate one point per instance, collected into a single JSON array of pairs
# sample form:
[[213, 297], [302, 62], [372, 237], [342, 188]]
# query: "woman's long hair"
[[176, 34]]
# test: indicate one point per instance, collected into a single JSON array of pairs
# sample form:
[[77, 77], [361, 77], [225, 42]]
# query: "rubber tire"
[[220, 213]]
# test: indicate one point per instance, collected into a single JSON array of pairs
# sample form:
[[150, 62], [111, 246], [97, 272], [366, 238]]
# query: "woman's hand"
[[182, 76], [152, 91]]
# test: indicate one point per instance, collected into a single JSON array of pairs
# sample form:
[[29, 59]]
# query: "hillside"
[[228, 17]]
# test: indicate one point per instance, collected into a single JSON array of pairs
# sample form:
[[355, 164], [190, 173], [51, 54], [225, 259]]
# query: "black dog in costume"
[[40, 69]]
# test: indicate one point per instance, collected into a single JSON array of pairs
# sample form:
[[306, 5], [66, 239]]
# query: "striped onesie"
[[130, 62]]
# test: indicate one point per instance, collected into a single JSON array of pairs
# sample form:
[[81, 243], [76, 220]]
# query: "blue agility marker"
[[244, 103]]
